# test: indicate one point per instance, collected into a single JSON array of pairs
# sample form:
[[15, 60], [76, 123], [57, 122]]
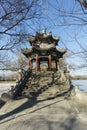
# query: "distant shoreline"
[[78, 77], [5, 82]]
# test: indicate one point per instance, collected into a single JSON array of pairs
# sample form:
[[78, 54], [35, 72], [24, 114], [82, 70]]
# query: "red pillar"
[[30, 63], [37, 62], [50, 62]]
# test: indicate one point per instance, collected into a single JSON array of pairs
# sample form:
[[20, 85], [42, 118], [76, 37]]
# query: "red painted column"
[[50, 62], [30, 63], [37, 62]]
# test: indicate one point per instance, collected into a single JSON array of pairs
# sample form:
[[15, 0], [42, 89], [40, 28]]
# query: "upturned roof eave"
[[42, 38]]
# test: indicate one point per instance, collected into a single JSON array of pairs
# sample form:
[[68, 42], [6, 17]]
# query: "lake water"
[[82, 84]]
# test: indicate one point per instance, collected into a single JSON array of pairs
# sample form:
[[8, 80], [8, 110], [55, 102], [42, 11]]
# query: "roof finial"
[[44, 31]]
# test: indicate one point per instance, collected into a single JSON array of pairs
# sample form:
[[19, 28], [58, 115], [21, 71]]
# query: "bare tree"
[[15, 18], [14, 14], [74, 15], [19, 17]]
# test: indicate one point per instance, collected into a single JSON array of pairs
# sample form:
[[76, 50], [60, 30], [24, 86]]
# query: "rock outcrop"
[[46, 85]]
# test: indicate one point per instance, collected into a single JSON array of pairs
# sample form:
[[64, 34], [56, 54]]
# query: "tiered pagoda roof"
[[44, 38], [44, 44], [58, 52]]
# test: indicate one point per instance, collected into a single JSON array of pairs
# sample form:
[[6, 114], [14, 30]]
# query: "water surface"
[[82, 84]]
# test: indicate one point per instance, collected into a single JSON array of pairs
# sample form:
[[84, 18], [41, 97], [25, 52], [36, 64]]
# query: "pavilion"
[[43, 50]]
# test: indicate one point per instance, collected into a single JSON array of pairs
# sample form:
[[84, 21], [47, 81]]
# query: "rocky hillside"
[[46, 84], [41, 85]]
